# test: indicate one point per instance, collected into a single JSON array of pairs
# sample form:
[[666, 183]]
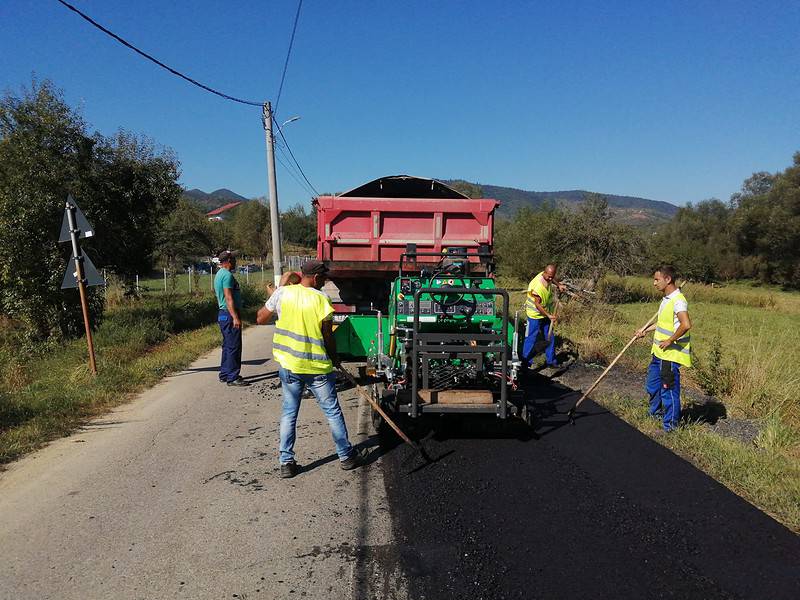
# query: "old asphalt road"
[[177, 495], [595, 510]]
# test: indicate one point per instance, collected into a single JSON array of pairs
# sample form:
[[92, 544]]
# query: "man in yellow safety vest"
[[305, 349], [671, 348], [539, 303]]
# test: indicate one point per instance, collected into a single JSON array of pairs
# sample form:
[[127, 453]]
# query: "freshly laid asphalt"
[[594, 510]]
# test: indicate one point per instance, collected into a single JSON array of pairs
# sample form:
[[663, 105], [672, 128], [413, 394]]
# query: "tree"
[[767, 227], [184, 234], [699, 242], [129, 190], [299, 227], [123, 186], [585, 243], [250, 226], [589, 243], [757, 184]]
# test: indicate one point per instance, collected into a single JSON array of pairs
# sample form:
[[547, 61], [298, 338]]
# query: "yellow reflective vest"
[[542, 289], [298, 345], [679, 351]]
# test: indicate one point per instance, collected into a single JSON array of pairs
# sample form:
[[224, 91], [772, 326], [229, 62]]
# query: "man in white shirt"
[[671, 349]]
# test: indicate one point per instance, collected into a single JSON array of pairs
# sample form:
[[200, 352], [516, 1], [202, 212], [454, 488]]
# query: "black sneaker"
[[289, 470], [239, 382], [356, 459]]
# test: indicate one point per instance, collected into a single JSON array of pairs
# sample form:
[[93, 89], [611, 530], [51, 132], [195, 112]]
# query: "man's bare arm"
[[684, 326], [264, 316]]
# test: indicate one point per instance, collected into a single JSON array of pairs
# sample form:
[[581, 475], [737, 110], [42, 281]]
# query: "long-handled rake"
[[366, 396]]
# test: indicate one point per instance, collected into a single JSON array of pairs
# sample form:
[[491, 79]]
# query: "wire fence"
[[199, 279]]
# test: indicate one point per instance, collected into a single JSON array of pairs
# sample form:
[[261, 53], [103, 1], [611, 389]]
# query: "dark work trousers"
[[231, 363], [664, 387], [535, 327]]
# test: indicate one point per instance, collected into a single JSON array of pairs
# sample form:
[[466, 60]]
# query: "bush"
[[714, 377]]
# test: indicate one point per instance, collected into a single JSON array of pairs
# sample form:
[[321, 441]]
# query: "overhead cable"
[[158, 62], [295, 177], [280, 131], [288, 54]]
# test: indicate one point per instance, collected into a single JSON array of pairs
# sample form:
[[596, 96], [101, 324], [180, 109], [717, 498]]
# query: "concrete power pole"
[[274, 215]]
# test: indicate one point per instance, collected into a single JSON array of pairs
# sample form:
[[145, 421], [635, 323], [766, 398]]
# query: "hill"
[[209, 201], [626, 209]]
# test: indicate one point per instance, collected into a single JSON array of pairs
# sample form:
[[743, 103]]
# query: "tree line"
[[128, 188], [755, 235], [187, 234]]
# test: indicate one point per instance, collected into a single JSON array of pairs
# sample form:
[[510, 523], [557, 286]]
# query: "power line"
[[280, 131], [299, 181], [289, 166], [288, 53], [158, 62]]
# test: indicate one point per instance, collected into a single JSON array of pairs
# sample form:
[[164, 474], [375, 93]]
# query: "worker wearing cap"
[[229, 298], [671, 348], [539, 303], [305, 349]]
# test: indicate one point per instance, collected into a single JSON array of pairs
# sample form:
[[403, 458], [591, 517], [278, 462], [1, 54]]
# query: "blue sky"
[[675, 101]]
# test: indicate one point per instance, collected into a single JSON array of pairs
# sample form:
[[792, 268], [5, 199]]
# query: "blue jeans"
[[324, 389], [664, 398], [231, 361], [534, 327]]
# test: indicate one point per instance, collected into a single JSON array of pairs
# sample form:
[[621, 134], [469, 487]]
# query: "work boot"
[[289, 470], [239, 382], [356, 459]]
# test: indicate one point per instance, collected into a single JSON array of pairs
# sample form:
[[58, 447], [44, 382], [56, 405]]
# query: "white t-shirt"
[[273, 304], [680, 306]]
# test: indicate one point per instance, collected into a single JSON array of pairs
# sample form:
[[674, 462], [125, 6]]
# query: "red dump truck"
[[363, 234], [411, 279]]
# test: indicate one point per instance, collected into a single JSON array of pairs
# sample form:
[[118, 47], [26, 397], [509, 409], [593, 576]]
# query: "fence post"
[[137, 283], [190, 280], [165, 280]]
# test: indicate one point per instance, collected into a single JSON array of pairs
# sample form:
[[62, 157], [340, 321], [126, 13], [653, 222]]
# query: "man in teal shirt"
[[229, 299]]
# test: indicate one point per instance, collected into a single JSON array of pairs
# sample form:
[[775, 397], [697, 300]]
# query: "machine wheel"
[[526, 414]]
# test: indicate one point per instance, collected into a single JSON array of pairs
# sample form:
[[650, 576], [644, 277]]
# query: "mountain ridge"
[[633, 210]]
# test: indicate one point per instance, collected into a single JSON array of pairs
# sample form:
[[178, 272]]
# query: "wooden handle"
[[613, 362], [378, 408]]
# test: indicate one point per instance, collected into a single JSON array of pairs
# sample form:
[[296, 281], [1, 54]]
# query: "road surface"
[[177, 495]]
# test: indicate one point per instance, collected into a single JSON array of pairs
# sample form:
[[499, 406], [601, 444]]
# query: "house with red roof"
[[221, 213]]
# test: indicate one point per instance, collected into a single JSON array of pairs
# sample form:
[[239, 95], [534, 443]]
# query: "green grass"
[[746, 354], [47, 393], [200, 284]]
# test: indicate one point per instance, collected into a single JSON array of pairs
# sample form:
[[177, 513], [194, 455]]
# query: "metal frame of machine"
[[465, 337]]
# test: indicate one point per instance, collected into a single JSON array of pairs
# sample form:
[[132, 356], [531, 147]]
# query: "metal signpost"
[[73, 227]]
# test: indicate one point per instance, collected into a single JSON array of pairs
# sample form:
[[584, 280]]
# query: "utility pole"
[[274, 215]]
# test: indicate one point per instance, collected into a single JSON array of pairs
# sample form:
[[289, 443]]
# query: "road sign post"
[[71, 212]]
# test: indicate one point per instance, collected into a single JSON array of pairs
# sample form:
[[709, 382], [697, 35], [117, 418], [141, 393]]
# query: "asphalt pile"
[[591, 510]]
